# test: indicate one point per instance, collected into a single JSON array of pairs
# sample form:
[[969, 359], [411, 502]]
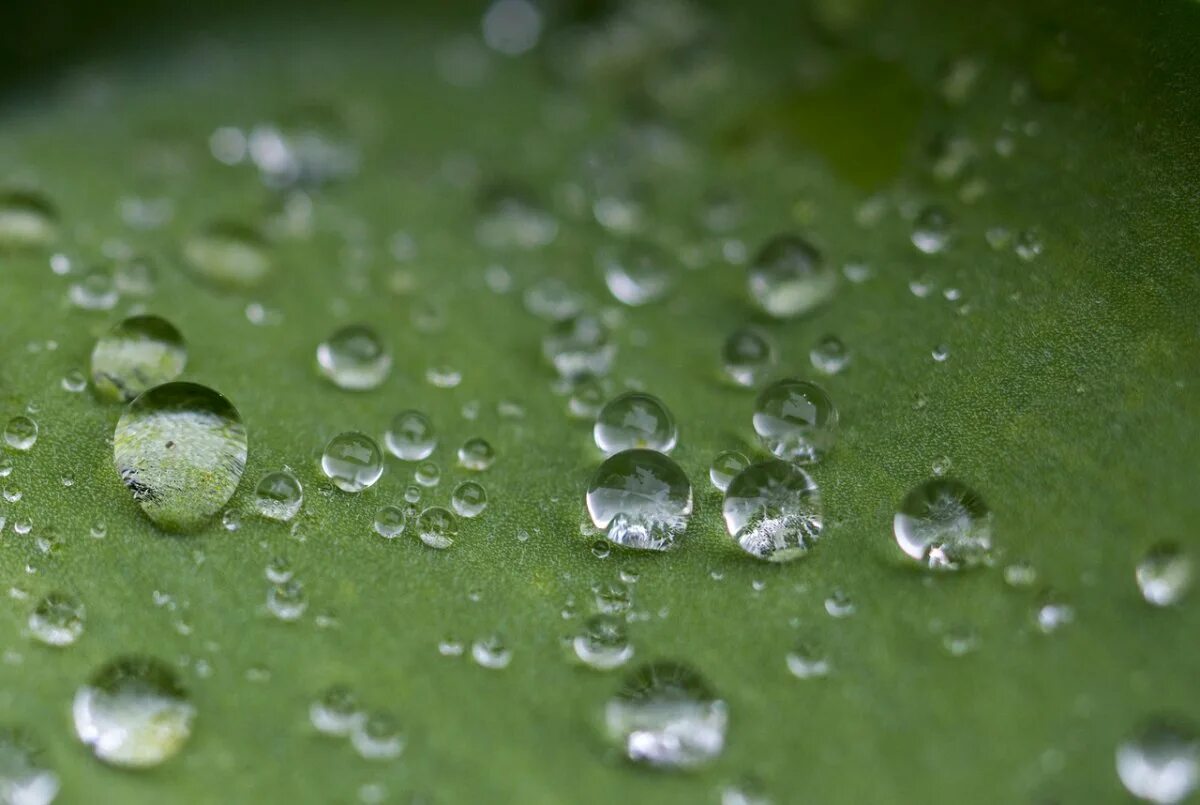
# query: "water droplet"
[[511, 27], [666, 716], [287, 600], [612, 598], [1052, 613], [641, 498], [352, 461], [1160, 762], [603, 643], [180, 448], [830, 355], [354, 358], [944, 524], [491, 652], [74, 381], [24, 777], [133, 713], [377, 737], [932, 230], [21, 433], [279, 570], [552, 299], [279, 496], [1164, 574], [1020, 573], [469, 499], [443, 376], [940, 353], [789, 277], [411, 436], [231, 519], [636, 275], [579, 347], [724, 467], [796, 420], [476, 454], [412, 493], [960, 640], [635, 419], [808, 662], [57, 620], [390, 522], [27, 220], [587, 398], [428, 473], [748, 791], [1028, 244], [137, 354], [773, 511], [228, 255], [437, 527], [510, 218], [449, 647], [941, 465], [840, 605], [99, 530], [335, 711], [134, 276], [601, 548]]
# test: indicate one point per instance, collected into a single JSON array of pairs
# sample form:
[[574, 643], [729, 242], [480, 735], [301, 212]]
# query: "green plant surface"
[[1068, 401]]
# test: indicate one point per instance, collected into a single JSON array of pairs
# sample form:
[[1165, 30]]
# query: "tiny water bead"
[[354, 358], [641, 499], [279, 569], [390, 521], [1160, 762], [748, 356], [637, 274], [587, 398], [352, 461], [796, 420], [27, 220], [180, 448], [74, 381], [511, 218], [428, 473], [279, 496], [469, 499], [476, 454], [773, 511], [932, 230], [789, 277], [830, 355], [377, 736], [335, 711], [491, 652], [579, 347], [21, 433], [287, 600], [725, 467], [57, 620], [437, 527], [228, 255], [412, 493], [25, 778], [945, 525], [603, 644], [137, 354], [133, 713], [1164, 574], [1051, 612], [94, 289], [411, 436], [666, 716], [808, 662], [635, 419], [550, 298]]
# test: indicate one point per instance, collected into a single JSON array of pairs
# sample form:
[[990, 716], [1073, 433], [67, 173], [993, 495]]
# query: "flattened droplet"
[[138, 353], [228, 255], [180, 448]]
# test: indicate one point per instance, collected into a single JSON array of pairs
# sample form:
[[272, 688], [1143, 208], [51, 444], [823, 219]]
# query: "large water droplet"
[[133, 713], [1164, 574], [180, 448], [411, 436], [641, 498], [1160, 763], [789, 277], [944, 524], [635, 419], [603, 644], [228, 255], [354, 358], [21, 433], [57, 620], [469, 499], [352, 461], [24, 777], [437, 527], [579, 347], [773, 511], [796, 420], [137, 354], [279, 496]]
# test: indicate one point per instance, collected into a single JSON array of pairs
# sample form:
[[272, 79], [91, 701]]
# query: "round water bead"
[[748, 356], [773, 511], [94, 289], [27, 220], [137, 354], [666, 716], [335, 711], [635, 419], [603, 644], [228, 255], [552, 299], [377, 736], [469, 499], [641, 499], [1160, 762], [491, 652], [411, 436], [944, 524], [587, 398], [932, 230], [437, 527], [637, 274], [287, 600], [390, 522], [180, 448], [24, 777], [476, 454], [133, 713], [354, 358], [352, 461], [57, 620], [279, 496], [808, 662], [1164, 574], [796, 420], [21, 433], [578, 347], [511, 218], [724, 467], [830, 355], [428, 473], [789, 277]]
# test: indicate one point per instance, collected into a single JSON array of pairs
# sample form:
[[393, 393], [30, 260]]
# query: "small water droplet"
[[352, 461], [57, 620], [228, 255], [74, 381], [587, 398], [603, 643], [437, 527], [377, 736], [601, 549], [789, 277], [635, 419], [279, 570], [428, 473], [940, 353], [335, 711], [840, 605], [449, 647], [724, 467], [552, 299], [932, 230], [830, 355], [641, 498], [354, 358], [944, 524], [807, 661], [796, 420], [579, 347], [1164, 574], [1052, 613], [773, 511], [511, 218], [476, 454], [638, 274], [411, 436], [491, 652], [1020, 573], [469, 499], [287, 600], [27, 220], [389, 522], [612, 598], [1160, 762], [279, 496], [443, 376], [960, 640], [21, 433]]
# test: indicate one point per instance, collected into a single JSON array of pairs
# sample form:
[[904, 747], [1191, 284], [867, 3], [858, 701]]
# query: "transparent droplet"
[[1028, 244], [287, 600], [637, 274], [960, 640], [789, 277], [724, 467], [133, 713], [491, 652], [469, 499], [279, 570], [613, 598], [335, 711], [1160, 762], [377, 736], [773, 511], [601, 548], [552, 299], [390, 522], [437, 527], [476, 454], [352, 461], [135, 276], [354, 358], [443, 376], [27, 220], [411, 436], [428, 473], [840, 605], [796, 420], [279, 496], [510, 218], [940, 353], [25, 779], [511, 27], [641, 499], [748, 356], [932, 230], [666, 716], [587, 398], [228, 255], [830, 355], [1164, 574], [635, 419], [1020, 573], [21, 433], [945, 525], [57, 620], [137, 354], [808, 662], [74, 381], [180, 448], [603, 644], [579, 347], [412, 493], [1052, 613]]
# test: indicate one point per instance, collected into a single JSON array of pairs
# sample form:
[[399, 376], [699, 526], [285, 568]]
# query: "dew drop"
[[354, 358], [57, 620], [796, 420], [428, 473], [1164, 574], [21, 433], [411, 436], [932, 230], [335, 711], [724, 467], [587, 398], [279, 496], [279, 570], [389, 522], [840, 605], [412, 493], [1160, 762], [830, 355], [469, 499], [437, 527], [27, 220], [137, 354], [352, 461], [377, 736], [74, 381], [808, 662], [960, 640], [24, 777], [476, 454], [228, 255], [945, 525], [773, 511], [601, 548], [552, 299], [1051, 613], [287, 600], [491, 652], [789, 277], [579, 347], [641, 498], [636, 275], [1028, 245], [603, 644], [748, 356], [510, 218], [1020, 573], [635, 419]]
